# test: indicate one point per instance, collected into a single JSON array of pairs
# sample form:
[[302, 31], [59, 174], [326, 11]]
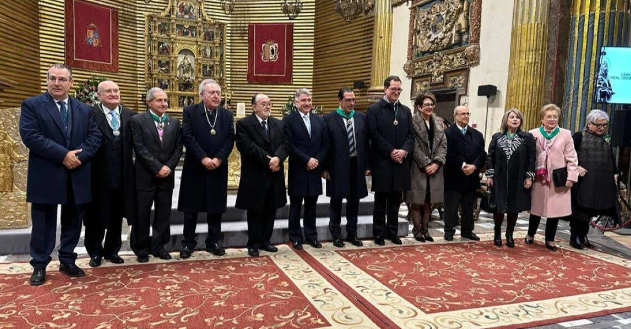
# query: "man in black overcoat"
[[208, 135], [465, 159], [158, 147], [347, 166], [392, 139], [309, 142], [263, 147], [113, 185]]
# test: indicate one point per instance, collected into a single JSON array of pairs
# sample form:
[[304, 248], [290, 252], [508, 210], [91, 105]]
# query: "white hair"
[[151, 93], [459, 107], [595, 115], [302, 91], [203, 84]]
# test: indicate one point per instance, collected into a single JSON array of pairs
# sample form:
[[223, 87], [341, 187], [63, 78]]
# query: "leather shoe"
[[338, 242], [380, 241], [449, 237], [215, 249], [163, 254], [419, 237], [116, 259], [396, 240], [297, 245], [551, 247], [38, 277], [471, 236], [585, 242], [354, 241], [71, 270], [529, 240], [95, 261], [253, 252], [142, 259], [575, 242], [497, 240], [510, 242], [428, 238], [269, 248], [186, 252], [314, 243]]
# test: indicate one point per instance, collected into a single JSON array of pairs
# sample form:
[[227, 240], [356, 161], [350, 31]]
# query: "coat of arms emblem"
[[269, 51], [92, 36]]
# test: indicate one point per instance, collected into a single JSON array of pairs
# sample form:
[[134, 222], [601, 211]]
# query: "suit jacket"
[[303, 182], [151, 154], [255, 146], [99, 211], [385, 136], [204, 190], [461, 149], [43, 133], [338, 160]]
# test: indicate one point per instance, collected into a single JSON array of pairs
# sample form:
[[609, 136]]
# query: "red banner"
[[270, 52], [91, 36]]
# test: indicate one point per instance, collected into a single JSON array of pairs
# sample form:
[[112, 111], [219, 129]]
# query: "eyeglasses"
[[395, 90], [429, 104], [213, 92], [270, 104], [600, 126]]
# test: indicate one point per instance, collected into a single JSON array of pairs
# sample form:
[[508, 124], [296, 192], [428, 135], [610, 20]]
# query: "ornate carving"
[[13, 154], [475, 19], [353, 9], [440, 26], [437, 65]]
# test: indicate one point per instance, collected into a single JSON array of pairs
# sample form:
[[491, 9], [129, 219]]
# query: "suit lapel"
[[259, 128], [152, 127], [125, 117], [303, 124], [168, 131], [101, 121], [52, 109]]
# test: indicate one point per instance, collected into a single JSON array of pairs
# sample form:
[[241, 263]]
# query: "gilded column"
[[527, 58], [593, 25], [381, 42]]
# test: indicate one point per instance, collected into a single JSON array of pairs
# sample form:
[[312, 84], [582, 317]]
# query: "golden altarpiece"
[[184, 46]]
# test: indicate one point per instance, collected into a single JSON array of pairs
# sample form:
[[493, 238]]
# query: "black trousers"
[[453, 201], [295, 232], [352, 207], [551, 226], [44, 230], [261, 223], [95, 232], [190, 224], [141, 243], [386, 203]]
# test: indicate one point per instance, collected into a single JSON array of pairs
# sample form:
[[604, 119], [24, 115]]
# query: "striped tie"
[[351, 139]]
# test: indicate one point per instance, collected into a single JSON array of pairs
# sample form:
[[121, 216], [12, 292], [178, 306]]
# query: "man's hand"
[[367, 173], [431, 169], [206, 162], [274, 164], [214, 163], [71, 160], [325, 175], [468, 169], [398, 155], [164, 172], [312, 164]]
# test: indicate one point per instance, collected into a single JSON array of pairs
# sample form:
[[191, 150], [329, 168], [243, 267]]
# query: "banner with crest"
[[91, 36], [270, 52]]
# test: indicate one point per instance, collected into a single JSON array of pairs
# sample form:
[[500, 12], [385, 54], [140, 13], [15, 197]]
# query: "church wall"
[[20, 59]]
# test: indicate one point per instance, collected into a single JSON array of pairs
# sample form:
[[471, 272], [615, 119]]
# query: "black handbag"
[[559, 177], [487, 202]]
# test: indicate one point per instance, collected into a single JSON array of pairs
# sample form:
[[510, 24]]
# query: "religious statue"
[[185, 71], [8, 156]]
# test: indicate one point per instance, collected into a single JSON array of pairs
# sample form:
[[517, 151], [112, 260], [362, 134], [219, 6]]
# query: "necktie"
[[307, 123], [64, 113], [464, 130], [115, 122], [264, 124], [351, 138]]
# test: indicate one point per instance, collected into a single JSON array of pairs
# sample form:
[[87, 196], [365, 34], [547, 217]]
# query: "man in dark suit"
[[113, 188], [158, 147], [465, 158], [347, 166], [392, 139], [208, 135], [62, 137], [309, 142], [263, 147]]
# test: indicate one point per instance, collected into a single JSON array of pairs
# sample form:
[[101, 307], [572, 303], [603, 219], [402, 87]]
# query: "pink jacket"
[[549, 201]]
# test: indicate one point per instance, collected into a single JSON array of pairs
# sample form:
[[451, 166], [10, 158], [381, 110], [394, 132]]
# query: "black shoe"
[[116, 259], [338, 242], [428, 238], [95, 261], [585, 242], [551, 247], [163, 254], [215, 249], [380, 241], [269, 248], [186, 252], [470, 236], [575, 242], [497, 240], [528, 240], [297, 245], [419, 237], [314, 243], [396, 240], [449, 237], [253, 252], [38, 277], [510, 242], [71, 270], [142, 259], [354, 241]]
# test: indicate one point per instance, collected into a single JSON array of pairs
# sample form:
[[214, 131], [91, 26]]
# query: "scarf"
[[541, 166], [344, 115]]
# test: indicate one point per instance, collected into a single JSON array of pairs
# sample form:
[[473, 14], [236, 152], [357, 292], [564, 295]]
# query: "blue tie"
[[115, 123], [464, 130], [64, 113]]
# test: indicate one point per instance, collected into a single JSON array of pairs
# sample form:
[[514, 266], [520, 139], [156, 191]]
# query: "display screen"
[[613, 82]]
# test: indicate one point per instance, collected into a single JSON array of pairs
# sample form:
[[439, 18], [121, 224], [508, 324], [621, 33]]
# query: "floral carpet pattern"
[[270, 292], [477, 285]]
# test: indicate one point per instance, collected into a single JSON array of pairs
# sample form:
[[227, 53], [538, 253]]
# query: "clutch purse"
[[559, 177], [487, 202]]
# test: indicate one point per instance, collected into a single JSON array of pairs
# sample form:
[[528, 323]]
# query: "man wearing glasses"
[[392, 139], [62, 137], [208, 135], [263, 148], [465, 158]]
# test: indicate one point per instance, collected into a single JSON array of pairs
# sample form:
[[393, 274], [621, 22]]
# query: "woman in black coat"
[[510, 171]]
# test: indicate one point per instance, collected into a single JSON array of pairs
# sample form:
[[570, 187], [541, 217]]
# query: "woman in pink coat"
[[555, 150]]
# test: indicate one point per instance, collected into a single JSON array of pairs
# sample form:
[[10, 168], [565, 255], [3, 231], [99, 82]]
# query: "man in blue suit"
[[62, 136], [309, 144]]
